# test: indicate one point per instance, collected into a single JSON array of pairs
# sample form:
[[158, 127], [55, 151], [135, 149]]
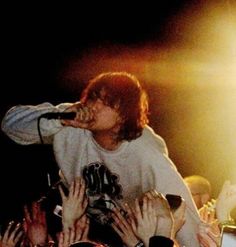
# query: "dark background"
[[38, 43]]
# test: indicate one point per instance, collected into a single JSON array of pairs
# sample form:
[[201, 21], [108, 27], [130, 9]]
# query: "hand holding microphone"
[[77, 115], [83, 116]]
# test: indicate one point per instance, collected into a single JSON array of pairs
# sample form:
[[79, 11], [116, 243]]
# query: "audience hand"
[[84, 116], [74, 205], [124, 229], [11, 236], [207, 213], [77, 233], [179, 217], [165, 226], [226, 201], [66, 237], [35, 225], [208, 236], [82, 228], [146, 219]]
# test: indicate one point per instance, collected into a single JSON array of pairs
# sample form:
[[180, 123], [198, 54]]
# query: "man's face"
[[105, 117]]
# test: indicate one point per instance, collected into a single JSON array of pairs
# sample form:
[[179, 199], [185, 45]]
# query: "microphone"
[[59, 115]]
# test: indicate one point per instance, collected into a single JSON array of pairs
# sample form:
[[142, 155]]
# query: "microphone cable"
[[51, 197], [39, 130], [53, 115]]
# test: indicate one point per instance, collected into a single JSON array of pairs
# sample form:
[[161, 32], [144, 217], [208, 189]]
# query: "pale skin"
[[74, 219], [209, 221], [146, 220], [152, 218], [74, 205], [207, 237], [179, 217], [168, 222], [207, 213], [103, 121], [226, 201], [165, 223], [124, 229]]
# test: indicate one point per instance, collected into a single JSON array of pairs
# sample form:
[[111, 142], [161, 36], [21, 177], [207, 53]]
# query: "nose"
[[96, 105]]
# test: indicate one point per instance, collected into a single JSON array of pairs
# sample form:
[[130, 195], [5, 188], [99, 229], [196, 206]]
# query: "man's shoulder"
[[149, 131], [151, 139], [150, 135]]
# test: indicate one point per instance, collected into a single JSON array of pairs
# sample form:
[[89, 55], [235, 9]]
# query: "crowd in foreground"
[[149, 221]]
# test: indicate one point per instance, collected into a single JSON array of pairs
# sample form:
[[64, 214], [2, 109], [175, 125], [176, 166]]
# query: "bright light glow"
[[199, 70]]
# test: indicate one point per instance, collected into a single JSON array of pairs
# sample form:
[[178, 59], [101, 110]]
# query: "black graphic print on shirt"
[[103, 191]]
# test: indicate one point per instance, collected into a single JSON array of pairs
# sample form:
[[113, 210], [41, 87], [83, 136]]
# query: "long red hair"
[[122, 91]]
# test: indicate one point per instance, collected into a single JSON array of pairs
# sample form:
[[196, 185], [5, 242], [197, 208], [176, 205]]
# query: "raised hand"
[[179, 217], [74, 205], [208, 236], [35, 225], [124, 229], [84, 116], [11, 236], [66, 237], [226, 201], [79, 232], [208, 212], [165, 226], [146, 220]]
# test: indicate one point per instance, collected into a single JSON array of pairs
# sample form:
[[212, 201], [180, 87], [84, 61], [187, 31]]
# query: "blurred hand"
[[84, 116], [73, 206], [226, 201], [82, 228], [207, 213], [79, 232], [35, 225], [208, 236], [165, 226], [11, 236], [179, 217], [124, 229], [146, 219], [66, 238]]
